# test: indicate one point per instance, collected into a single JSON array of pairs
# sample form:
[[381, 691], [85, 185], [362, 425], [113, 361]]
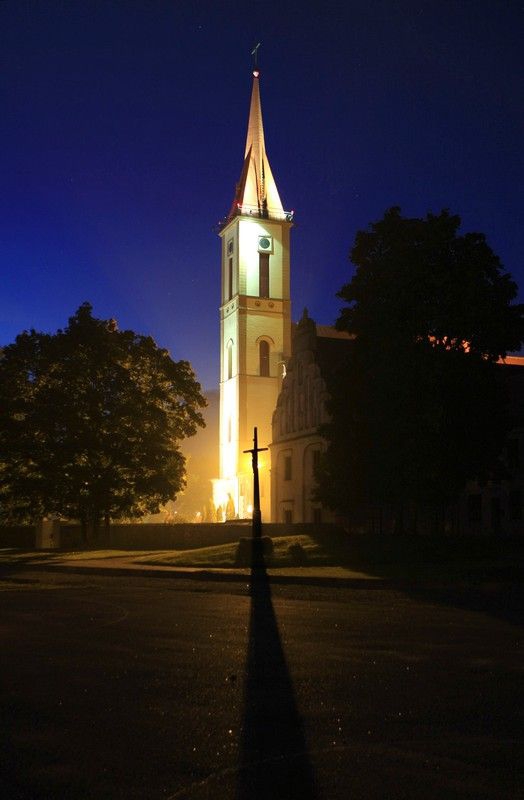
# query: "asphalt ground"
[[164, 687]]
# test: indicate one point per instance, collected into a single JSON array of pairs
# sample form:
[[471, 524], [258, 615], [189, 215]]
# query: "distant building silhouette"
[[317, 351], [497, 506]]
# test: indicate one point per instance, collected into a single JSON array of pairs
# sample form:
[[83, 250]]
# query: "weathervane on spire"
[[254, 53]]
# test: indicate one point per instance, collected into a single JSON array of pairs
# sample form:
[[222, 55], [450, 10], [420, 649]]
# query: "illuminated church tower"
[[255, 322]]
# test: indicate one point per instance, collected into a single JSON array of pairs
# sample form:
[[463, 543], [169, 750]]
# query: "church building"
[[255, 321], [274, 375]]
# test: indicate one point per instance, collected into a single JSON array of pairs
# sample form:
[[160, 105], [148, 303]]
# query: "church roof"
[[330, 346], [256, 192], [329, 332], [332, 353]]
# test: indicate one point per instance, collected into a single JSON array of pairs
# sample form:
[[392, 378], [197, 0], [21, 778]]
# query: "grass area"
[[422, 559], [223, 555], [410, 558], [217, 556]]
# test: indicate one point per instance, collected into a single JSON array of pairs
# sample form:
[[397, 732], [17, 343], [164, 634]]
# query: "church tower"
[[255, 321]]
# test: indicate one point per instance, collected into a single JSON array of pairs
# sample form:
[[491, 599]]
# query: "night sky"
[[122, 137]]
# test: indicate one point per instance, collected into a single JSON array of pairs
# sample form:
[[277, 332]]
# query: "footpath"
[[132, 565], [493, 582]]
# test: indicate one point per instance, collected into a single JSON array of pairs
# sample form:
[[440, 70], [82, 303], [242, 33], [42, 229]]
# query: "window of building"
[[314, 411], [515, 504], [288, 516], [229, 359], [291, 409], [496, 513], [230, 279], [300, 411], [263, 274], [513, 454], [474, 508], [307, 402], [263, 350], [287, 468], [230, 247]]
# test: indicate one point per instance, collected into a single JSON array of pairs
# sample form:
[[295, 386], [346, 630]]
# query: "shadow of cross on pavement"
[[274, 762]]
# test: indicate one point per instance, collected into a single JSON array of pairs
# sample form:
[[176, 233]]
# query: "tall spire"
[[256, 191]]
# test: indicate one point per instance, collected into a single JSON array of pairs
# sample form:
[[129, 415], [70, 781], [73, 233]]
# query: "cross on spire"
[[254, 53]]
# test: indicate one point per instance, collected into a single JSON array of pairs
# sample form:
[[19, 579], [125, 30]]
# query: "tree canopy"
[[92, 418], [417, 410]]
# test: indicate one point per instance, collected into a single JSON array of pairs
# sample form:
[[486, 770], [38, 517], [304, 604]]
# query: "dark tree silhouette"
[[417, 409], [91, 422]]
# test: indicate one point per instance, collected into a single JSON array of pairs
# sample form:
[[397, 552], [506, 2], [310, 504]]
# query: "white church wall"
[[229, 431], [248, 235], [247, 398]]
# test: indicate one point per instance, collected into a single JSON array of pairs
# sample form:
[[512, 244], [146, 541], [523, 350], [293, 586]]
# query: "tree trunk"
[[399, 522], [90, 532], [92, 529], [96, 529], [415, 519]]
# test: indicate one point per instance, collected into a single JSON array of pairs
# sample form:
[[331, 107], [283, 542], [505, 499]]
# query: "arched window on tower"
[[263, 351], [229, 355]]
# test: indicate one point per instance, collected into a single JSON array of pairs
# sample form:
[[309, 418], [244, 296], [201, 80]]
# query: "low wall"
[[185, 536], [17, 536], [137, 536], [172, 537]]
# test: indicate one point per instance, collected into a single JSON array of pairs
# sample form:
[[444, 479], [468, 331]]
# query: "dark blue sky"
[[123, 127]]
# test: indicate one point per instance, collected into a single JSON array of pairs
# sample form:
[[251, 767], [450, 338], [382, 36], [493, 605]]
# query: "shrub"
[[297, 554], [250, 551]]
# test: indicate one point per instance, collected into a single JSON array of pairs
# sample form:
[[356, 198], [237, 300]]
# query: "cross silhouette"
[[257, 516], [254, 53]]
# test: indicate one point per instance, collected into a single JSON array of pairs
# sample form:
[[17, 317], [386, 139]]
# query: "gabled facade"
[[255, 321], [301, 408]]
